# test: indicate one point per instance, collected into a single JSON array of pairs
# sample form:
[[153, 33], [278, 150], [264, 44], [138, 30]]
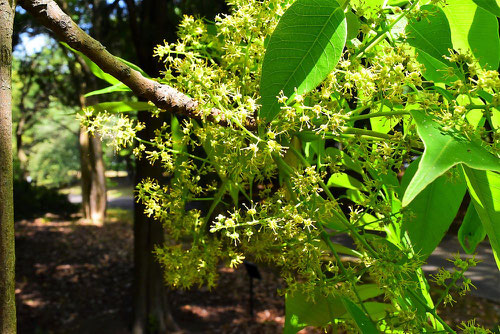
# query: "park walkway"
[[485, 276]]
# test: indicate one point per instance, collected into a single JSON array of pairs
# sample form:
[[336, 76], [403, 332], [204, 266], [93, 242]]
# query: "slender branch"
[[48, 13]]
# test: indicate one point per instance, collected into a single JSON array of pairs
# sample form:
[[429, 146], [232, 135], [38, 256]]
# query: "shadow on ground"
[[68, 271], [74, 277]]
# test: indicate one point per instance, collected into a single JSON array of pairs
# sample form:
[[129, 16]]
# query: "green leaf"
[[484, 188], [346, 250], [495, 112], [368, 291], [489, 5], [367, 6], [344, 158], [474, 28], [431, 36], [375, 310], [304, 309], [432, 211], [383, 124], [353, 25], [123, 106], [474, 116], [93, 67], [343, 180], [178, 145], [304, 48], [446, 94], [134, 67], [436, 70], [471, 231], [364, 324], [444, 150], [119, 87]]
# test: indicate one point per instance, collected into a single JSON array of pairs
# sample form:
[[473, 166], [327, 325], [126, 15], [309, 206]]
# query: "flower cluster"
[[326, 167]]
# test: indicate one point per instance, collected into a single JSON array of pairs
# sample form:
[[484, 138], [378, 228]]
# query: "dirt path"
[[74, 277]]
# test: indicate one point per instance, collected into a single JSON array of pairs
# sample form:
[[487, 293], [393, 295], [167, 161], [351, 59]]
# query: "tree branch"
[[48, 13]]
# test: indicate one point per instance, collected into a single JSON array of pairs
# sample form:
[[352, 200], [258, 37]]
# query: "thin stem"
[[342, 218], [217, 200], [448, 287], [381, 35], [364, 132], [174, 151], [431, 311], [379, 114], [326, 239]]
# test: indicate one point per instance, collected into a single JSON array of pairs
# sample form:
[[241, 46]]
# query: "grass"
[[117, 187]]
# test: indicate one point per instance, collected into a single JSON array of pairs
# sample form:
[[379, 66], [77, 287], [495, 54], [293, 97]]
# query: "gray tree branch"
[[48, 13]]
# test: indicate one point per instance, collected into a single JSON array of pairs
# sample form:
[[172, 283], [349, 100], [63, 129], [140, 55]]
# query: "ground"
[[75, 277]]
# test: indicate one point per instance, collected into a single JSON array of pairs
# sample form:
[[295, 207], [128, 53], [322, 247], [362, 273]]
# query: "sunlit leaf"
[[304, 48], [444, 150], [120, 87], [96, 70], [343, 180], [475, 29], [123, 106], [432, 211], [431, 37], [484, 188]]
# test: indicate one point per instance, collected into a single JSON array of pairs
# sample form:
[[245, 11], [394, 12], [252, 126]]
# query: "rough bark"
[[7, 255], [93, 179], [164, 97], [150, 24]]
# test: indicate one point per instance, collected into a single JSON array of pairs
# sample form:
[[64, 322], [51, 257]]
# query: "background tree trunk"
[[7, 250], [151, 309], [150, 25], [93, 179]]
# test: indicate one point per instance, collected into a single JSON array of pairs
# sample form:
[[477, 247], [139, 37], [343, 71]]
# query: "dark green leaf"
[[365, 325], [490, 5], [471, 232]]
